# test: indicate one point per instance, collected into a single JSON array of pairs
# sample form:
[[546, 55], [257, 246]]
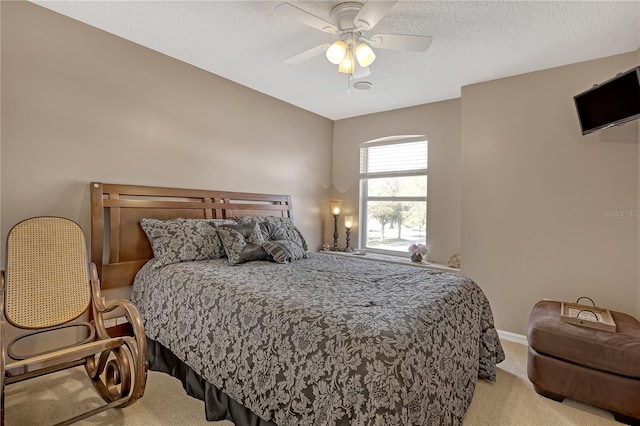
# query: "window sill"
[[395, 260]]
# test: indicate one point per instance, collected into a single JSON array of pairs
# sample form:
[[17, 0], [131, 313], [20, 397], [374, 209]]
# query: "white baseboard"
[[513, 337]]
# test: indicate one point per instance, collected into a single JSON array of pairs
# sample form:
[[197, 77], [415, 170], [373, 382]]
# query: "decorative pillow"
[[273, 223], [182, 240], [283, 251], [273, 231], [242, 242]]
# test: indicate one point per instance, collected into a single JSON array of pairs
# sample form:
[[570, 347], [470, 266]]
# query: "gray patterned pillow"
[[182, 240], [273, 231], [242, 242], [281, 224], [283, 251]]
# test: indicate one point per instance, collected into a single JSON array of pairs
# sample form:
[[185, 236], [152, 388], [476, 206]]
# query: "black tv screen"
[[613, 102]]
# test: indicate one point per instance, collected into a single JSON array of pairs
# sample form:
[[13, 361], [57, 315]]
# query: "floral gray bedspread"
[[326, 340]]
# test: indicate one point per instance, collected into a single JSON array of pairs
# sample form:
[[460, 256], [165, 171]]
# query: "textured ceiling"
[[247, 41]]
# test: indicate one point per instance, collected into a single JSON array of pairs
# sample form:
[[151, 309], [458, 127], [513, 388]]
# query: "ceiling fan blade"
[[361, 72], [412, 43], [307, 54], [290, 11], [371, 13]]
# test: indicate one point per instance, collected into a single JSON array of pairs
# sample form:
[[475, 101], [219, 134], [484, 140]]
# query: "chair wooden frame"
[[117, 366]]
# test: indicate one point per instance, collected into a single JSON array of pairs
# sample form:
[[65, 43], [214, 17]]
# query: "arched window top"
[[388, 140]]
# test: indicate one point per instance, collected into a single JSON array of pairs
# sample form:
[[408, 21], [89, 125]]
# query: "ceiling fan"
[[352, 52]]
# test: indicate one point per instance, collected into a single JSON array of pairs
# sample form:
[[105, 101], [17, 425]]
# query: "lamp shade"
[[335, 52], [348, 222], [365, 55], [336, 206]]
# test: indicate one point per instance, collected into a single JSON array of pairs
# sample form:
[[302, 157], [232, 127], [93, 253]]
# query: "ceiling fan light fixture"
[[336, 52], [365, 55], [347, 66]]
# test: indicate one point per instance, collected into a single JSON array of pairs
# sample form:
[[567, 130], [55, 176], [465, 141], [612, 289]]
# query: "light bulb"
[[336, 206], [335, 52], [348, 222], [347, 65], [365, 55]]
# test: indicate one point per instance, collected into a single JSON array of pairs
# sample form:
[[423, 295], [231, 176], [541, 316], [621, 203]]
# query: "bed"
[[320, 341]]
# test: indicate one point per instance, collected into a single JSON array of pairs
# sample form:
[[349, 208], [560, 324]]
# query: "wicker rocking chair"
[[47, 287]]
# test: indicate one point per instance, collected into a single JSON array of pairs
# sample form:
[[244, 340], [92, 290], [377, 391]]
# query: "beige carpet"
[[509, 401]]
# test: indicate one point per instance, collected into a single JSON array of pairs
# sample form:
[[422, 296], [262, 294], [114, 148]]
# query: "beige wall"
[[440, 123], [79, 104], [534, 215], [512, 183], [537, 197]]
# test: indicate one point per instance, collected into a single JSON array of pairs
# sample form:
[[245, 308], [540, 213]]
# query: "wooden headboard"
[[119, 246]]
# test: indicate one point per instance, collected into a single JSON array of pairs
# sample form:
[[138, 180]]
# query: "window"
[[393, 194]]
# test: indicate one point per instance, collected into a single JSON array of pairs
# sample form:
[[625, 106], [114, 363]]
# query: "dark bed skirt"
[[217, 404]]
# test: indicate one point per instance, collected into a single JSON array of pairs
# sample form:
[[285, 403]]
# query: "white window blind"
[[395, 157]]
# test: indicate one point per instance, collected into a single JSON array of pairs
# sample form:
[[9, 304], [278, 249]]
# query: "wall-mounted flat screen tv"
[[611, 103]]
